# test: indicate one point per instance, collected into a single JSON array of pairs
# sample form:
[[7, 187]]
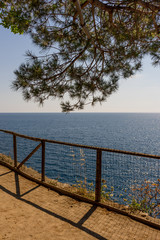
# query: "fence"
[[105, 177]]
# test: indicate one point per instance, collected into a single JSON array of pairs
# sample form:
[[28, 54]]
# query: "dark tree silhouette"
[[88, 45]]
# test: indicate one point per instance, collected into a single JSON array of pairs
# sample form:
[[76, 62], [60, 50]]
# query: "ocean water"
[[136, 132]]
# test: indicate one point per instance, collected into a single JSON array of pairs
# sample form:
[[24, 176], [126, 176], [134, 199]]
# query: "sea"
[[135, 132]]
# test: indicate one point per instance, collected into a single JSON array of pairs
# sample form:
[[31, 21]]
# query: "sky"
[[140, 93]]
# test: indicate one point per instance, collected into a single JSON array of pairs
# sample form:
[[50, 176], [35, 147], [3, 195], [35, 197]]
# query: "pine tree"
[[88, 45]]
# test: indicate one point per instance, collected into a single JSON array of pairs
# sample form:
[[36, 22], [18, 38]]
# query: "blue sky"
[[140, 93]]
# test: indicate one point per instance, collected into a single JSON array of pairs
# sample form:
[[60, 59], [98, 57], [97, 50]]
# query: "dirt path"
[[29, 211]]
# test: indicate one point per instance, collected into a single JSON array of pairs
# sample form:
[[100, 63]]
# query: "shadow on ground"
[[78, 225]]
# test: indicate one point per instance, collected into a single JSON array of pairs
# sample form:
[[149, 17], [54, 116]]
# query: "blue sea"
[[136, 132]]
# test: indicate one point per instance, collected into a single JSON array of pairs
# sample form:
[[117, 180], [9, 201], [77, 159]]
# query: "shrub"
[[146, 198]]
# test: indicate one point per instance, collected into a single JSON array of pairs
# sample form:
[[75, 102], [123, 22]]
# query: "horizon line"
[[73, 112]]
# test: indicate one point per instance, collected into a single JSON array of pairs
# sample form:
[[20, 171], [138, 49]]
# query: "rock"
[[143, 214]]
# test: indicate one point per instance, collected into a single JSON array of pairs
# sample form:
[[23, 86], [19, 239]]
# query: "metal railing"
[[98, 175], [98, 150]]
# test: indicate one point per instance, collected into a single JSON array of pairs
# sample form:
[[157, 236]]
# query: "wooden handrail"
[[15, 150], [98, 160], [98, 169], [43, 161], [25, 160], [98, 176], [83, 146]]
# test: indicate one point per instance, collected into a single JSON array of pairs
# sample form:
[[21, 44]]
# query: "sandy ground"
[[29, 211]]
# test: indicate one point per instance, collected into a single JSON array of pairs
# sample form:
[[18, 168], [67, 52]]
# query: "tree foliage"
[[88, 45]]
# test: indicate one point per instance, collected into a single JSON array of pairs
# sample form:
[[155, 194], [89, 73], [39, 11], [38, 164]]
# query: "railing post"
[[98, 175], [43, 161], [15, 150]]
